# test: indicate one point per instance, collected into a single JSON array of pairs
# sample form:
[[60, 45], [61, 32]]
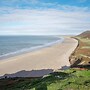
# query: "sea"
[[15, 45]]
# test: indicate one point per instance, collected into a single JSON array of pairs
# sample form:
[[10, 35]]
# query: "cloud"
[[48, 21], [39, 17]]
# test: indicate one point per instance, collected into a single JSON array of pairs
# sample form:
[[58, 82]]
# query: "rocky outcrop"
[[74, 60]]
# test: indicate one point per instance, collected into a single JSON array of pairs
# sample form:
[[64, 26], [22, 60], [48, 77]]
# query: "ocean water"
[[14, 45]]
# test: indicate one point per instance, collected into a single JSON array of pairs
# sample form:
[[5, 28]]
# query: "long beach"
[[53, 57]]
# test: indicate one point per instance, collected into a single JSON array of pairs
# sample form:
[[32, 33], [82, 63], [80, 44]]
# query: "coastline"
[[53, 57], [31, 49]]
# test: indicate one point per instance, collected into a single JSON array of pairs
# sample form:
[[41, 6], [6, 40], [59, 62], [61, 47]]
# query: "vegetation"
[[85, 34], [70, 79], [82, 53]]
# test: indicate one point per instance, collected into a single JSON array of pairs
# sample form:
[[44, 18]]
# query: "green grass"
[[70, 79], [75, 81]]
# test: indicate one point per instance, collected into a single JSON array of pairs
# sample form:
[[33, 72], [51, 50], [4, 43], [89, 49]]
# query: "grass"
[[74, 80], [85, 40], [70, 79], [83, 50]]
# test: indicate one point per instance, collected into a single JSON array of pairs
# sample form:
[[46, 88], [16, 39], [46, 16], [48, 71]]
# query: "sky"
[[44, 17]]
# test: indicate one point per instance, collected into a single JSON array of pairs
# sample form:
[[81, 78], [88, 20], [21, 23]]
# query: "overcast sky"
[[43, 17]]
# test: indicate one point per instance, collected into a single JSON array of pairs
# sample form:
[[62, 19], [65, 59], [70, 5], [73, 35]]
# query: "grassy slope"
[[84, 47], [83, 50], [62, 80], [85, 34]]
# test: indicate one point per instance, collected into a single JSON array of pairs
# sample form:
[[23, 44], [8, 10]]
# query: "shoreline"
[[53, 57], [31, 49]]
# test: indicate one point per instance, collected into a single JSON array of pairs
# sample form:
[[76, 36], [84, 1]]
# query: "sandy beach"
[[53, 57]]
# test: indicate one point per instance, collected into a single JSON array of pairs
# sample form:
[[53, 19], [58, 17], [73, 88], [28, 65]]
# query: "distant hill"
[[85, 34]]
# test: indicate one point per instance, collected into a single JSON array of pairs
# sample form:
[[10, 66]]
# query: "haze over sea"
[[12, 45]]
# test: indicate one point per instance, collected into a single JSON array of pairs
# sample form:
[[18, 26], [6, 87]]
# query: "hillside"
[[70, 79], [81, 56], [85, 34]]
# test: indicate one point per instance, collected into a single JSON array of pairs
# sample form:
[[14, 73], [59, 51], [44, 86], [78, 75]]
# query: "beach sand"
[[53, 57]]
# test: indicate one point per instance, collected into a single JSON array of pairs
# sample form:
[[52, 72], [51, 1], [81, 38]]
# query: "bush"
[[43, 86]]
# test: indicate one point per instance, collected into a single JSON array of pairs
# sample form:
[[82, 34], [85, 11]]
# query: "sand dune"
[[53, 57]]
